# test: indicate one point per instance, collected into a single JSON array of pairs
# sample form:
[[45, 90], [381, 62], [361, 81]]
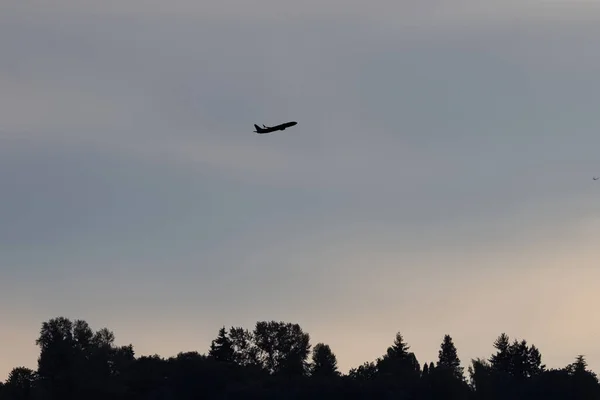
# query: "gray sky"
[[438, 181]]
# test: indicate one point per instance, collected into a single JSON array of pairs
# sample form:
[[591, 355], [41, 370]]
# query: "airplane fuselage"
[[269, 129]]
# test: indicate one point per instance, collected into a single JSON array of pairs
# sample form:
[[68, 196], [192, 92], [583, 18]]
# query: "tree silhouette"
[[57, 357], [534, 361], [579, 367], [446, 379], [221, 349], [366, 371], [147, 377], [270, 362], [399, 361], [399, 350], [524, 361], [448, 360], [425, 371], [324, 362], [584, 381], [75, 361], [20, 384], [283, 348], [500, 361], [245, 351], [398, 370]]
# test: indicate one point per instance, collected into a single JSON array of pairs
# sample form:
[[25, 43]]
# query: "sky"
[[439, 180]]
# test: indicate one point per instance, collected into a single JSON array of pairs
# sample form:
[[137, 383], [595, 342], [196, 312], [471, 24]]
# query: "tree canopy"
[[276, 360]]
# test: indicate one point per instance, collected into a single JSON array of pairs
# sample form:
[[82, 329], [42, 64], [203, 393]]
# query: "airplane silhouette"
[[267, 129]]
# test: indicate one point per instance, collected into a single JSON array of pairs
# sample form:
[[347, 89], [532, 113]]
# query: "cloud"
[[432, 12]]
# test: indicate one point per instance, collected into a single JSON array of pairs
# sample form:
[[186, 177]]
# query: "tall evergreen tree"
[[500, 362], [584, 381], [324, 362], [425, 371], [448, 358], [534, 361], [398, 364], [525, 361], [221, 348], [399, 349], [579, 366], [578, 369]]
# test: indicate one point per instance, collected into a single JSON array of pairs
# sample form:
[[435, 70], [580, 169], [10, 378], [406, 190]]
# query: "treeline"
[[275, 360]]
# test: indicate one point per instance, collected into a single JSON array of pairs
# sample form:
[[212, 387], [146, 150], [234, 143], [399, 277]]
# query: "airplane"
[[595, 178], [268, 129]]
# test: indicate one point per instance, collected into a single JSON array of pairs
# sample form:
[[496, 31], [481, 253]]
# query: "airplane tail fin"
[[258, 128]]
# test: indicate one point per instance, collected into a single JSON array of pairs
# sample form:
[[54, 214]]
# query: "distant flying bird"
[[595, 178], [267, 129]]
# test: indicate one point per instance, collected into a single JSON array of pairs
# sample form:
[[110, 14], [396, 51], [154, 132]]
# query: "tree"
[[585, 382], [500, 361], [221, 349], [448, 358], [283, 348], [57, 357], [398, 360], [244, 349], [83, 336], [324, 362], [534, 361], [20, 384], [77, 362], [146, 377], [399, 369], [516, 360], [579, 367], [524, 361], [446, 379], [425, 371], [480, 373], [364, 372], [399, 350]]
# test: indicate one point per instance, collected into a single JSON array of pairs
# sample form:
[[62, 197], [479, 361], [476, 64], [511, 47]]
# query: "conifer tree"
[[221, 348], [425, 371], [324, 362], [448, 358], [398, 363], [399, 349], [500, 362]]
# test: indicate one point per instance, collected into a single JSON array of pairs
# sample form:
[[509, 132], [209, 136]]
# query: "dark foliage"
[[272, 362]]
